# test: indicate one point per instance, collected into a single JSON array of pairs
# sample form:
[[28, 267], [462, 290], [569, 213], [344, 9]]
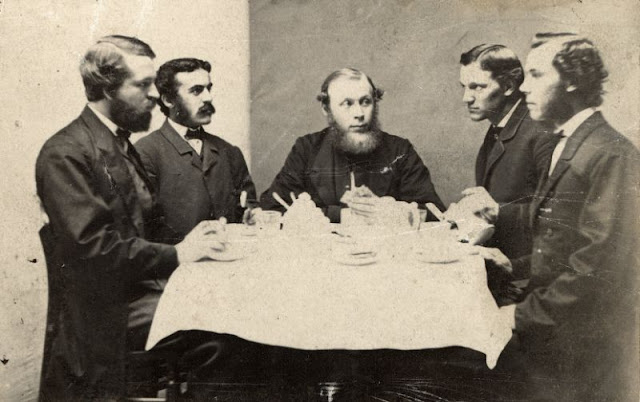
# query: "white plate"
[[234, 251], [350, 259], [444, 253]]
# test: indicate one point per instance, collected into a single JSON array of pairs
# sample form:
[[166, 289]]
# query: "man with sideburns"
[[100, 243], [322, 163], [197, 175], [575, 334], [512, 158]]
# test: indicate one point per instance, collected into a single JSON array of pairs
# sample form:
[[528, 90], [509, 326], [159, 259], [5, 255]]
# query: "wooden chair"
[[147, 373]]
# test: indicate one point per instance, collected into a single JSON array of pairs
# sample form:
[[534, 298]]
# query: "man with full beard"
[[101, 254], [322, 163], [198, 175]]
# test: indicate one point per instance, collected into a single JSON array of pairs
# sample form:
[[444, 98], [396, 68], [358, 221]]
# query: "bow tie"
[[195, 134], [122, 133]]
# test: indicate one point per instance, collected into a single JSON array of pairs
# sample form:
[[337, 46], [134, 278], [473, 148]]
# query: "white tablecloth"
[[291, 293]]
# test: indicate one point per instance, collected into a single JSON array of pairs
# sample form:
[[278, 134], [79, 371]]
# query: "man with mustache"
[[321, 163], [102, 253], [512, 158], [198, 175], [575, 334]]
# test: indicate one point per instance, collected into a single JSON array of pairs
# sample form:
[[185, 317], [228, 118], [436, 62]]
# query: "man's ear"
[[509, 88], [325, 109], [167, 101], [108, 94]]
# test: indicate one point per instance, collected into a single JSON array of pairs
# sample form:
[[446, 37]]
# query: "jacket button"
[[549, 232], [539, 250]]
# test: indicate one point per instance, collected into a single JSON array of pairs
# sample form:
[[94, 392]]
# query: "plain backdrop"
[[269, 58], [41, 45], [412, 49]]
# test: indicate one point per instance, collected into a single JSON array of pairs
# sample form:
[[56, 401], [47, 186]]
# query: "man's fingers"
[[361, 207], [363, 201], [218, 246], [473, 190]]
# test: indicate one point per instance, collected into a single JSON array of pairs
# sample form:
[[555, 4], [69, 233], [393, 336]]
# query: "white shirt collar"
[[180, 129], [104, 119], [506, 118], [571, 125]]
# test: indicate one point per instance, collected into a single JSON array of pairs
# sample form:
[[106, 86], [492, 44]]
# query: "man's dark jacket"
[[510, 170], [192, 188], [577, 327], [315, 166], [100, 252]]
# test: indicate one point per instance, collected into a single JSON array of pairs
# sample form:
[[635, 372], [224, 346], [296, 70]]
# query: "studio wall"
[[412, 50], [41, 45]]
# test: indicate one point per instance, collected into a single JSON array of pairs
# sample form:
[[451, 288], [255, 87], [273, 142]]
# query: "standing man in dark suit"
[[576, 331], [513, 156], [103, 215], [197, 175]]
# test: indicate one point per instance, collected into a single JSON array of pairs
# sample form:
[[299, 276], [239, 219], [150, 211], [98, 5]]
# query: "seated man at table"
[[514, 155], [197, 175], [575, 335], [353, 145], [101, 253]]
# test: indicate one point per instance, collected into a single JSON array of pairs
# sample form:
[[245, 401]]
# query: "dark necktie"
[[490, 139], [195, 134], [555, 152], [492, 135], [123, 138]]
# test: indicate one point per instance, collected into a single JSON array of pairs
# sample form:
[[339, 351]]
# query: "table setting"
[[298, 281]]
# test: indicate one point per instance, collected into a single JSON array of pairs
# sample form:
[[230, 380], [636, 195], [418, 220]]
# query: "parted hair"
[[578, 62], [323, 96], [103, 69], [499, 60], [166, 77]]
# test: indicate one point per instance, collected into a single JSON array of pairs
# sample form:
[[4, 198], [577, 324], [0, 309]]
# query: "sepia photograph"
[[320, 200]]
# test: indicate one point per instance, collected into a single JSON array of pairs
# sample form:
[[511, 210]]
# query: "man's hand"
[[365, 206], [249, 216], [205, 240], [476, 201], [497, 257]]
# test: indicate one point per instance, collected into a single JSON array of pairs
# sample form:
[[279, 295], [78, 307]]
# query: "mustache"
[[207, 109]]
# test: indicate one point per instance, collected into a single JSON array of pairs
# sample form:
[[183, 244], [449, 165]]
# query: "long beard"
[[362, 143], [128, 118]]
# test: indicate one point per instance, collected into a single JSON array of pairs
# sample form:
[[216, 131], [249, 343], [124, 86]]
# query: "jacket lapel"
[[114, 165], [507, 133], [210, 153], [573, 144], [181, 146], [326, 184]]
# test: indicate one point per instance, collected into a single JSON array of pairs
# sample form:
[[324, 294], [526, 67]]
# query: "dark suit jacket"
[[191, 189], [510, 173], [578, 321], [101, 250], [316, 167]]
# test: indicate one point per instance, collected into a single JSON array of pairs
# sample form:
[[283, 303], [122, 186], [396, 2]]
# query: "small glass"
[[268, 222]]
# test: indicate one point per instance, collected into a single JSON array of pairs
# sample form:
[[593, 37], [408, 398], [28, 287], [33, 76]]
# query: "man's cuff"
[[333, 213], [509, 315]]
